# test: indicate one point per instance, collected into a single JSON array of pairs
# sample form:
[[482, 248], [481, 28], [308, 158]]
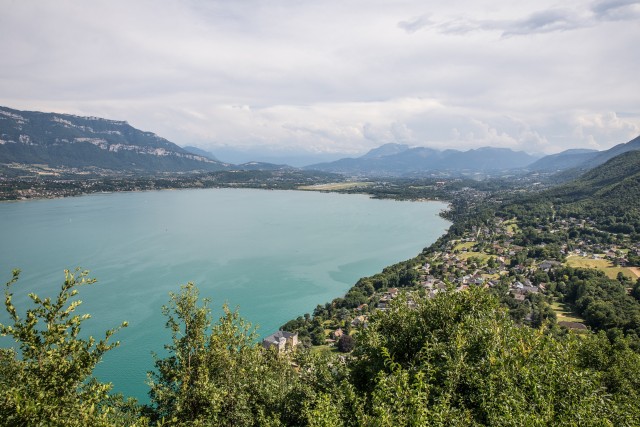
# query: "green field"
[[464, 245], [324, 349], [334, 186], [466, 255], [564, 313], [512, 226], [599, 264]]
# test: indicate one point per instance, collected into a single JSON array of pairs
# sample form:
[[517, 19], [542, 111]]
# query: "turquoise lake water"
[[274, 254]]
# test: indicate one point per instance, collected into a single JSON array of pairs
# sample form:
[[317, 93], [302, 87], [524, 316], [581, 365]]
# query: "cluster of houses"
[[480, 259]]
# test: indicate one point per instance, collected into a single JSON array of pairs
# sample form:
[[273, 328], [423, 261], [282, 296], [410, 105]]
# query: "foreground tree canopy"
[[456, 359]]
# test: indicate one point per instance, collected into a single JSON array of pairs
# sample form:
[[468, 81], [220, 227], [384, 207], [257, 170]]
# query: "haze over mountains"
[[63, 140], [398, 160]]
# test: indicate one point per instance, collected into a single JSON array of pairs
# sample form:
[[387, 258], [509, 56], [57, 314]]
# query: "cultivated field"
[[601, 264], [335, 186], [564, 313]]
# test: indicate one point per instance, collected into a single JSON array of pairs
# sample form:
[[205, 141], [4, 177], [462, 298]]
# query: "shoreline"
[[296, 308]]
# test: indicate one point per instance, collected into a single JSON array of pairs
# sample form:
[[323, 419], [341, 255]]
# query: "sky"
[[332, 77]]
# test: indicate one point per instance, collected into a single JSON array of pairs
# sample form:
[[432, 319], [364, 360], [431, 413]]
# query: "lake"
[[273, 254]]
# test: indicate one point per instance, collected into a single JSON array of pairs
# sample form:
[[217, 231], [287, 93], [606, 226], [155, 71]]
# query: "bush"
[[346, 343]]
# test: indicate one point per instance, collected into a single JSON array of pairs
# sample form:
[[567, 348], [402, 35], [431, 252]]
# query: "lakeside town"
[[523, 262]]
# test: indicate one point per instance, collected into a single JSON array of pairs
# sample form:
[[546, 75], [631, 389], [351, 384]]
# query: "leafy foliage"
[[216, 373], [49, 382], [458, 359], [604, 303], [346, 343]]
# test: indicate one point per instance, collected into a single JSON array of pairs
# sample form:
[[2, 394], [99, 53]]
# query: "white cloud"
[[544, 20], [332, 76], [601, 130]]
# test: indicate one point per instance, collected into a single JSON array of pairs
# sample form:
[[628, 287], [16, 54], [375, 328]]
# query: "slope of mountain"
[[490, 159], [608, 195], [386, 150], [262, 166], [296, 157], [612, 152], [398, 160], [565, 160], [64, 140], [200, 152]]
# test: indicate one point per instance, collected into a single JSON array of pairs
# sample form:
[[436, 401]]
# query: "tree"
[[458, 357], [346, 343], [178, 388], [317, 334], [49, 382], [216, 373], [635, 292]]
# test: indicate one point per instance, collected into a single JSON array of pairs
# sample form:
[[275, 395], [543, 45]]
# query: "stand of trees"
[[604, 303], [456, 359]]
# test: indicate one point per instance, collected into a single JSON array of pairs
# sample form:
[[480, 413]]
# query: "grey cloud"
[[616, 10], [545, 22], [460, 27], [416, 24], [457, 26], [328, 76], [539, 22]]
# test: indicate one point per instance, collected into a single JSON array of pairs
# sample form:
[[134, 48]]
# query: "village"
[[501, 257]]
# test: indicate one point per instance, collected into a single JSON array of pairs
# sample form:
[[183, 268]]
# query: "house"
[[281, 341], [573, 325], [359, 321], [548, 265]]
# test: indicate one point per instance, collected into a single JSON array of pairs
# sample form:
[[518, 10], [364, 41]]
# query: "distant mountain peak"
[[386, 150], [401, 160], [200, 152]]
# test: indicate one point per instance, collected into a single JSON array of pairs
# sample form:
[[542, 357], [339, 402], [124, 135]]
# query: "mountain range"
[[64, 140], [80, 143], [399, 160], [565, 160], [582, 160], [402, 160]]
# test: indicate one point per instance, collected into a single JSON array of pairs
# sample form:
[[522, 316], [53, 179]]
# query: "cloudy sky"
[[330, 76]]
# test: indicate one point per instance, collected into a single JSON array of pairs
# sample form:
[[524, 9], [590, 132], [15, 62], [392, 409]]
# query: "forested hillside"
[[608, 194]]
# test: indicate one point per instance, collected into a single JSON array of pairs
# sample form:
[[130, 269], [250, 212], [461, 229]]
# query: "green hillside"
[[616, 175], [608, 194]]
